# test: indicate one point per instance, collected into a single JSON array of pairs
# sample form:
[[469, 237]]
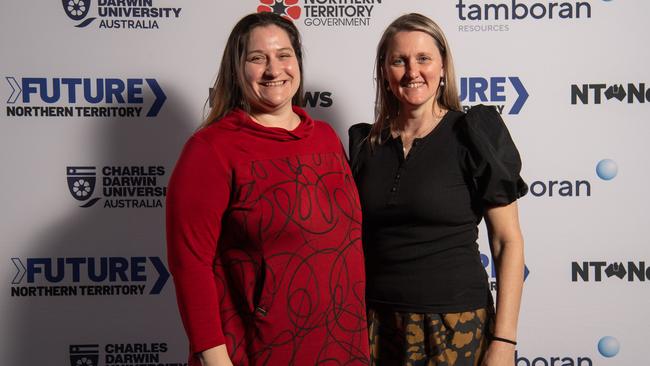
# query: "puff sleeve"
[[358, 135], [491, 160]]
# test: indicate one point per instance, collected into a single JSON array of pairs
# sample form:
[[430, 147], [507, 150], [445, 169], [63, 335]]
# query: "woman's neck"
[[415, 121], [284, 118]]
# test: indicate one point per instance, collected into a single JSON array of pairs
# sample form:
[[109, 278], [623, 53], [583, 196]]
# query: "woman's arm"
[[197, 197], [507, 245], [216, 356]]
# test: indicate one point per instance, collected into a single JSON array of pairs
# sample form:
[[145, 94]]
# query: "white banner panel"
[[100, 95]]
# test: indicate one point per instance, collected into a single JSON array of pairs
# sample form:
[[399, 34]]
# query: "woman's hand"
[[499, 354], [216, 356]]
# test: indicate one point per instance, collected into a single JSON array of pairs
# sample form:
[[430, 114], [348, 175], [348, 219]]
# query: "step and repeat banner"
[[100, 95]]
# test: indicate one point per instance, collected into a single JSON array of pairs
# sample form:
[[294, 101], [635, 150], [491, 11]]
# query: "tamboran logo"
[[599, 93], [588, 271], [120, 14], [552, 361], [120, 354], [286, 8], [561, 188], [493, 91], [39, 96], [81, 276], [608, 346], [491, 270], [122, 186], [324, 13], [500, 14], [606, 170]]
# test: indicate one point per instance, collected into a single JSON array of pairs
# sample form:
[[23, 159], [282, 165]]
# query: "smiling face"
[[413, 67], [271, 70]]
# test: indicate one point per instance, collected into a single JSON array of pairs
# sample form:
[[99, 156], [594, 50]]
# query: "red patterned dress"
[[264, 243]]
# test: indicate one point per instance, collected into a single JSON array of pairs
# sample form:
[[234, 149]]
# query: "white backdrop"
[[99, 97]]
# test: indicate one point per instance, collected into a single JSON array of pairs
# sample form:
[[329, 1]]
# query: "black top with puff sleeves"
[[420, 213]]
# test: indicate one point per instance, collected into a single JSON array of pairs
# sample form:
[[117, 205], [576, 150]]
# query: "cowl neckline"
[[247, 124]]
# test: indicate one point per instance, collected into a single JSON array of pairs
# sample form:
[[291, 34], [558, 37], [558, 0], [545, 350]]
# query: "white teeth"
[[414, 85], [273, 83]]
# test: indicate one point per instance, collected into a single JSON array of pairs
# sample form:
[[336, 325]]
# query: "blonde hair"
[[386, 104], [227, 92]]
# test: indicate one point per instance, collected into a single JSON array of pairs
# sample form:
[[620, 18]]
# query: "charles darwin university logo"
[[122, 14], [121, 186], [285, 8], [77, 10], [123, 354], [81, 183], [84, 355]]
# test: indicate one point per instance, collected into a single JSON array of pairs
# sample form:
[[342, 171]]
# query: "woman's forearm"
[[216, 356], [509, 259]]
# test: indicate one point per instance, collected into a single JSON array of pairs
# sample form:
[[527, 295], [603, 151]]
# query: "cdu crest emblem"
[[84, 355], [77, 10], [81, 183]]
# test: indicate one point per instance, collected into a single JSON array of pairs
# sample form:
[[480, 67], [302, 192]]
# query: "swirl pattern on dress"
[[290, 264]]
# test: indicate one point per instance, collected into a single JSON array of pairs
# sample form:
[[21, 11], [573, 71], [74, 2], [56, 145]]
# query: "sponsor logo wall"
[[109, 90]]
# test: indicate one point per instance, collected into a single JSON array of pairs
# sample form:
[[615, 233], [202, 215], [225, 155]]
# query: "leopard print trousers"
[[429, 339]]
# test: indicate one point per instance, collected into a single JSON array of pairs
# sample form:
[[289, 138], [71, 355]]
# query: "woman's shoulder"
[[492, 157], [360, 128], [357, 133], [484, 117]]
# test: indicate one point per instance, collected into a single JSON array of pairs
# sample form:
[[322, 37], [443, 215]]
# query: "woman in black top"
[[427, 174]]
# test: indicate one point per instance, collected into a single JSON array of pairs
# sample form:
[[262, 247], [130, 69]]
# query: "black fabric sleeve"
[[358, 136], [492, 160]]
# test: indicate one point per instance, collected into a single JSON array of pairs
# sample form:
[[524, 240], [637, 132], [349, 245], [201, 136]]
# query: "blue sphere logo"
[[608, 346], [606, 169]]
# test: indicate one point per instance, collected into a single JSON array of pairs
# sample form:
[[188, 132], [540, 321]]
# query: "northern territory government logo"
[[122, 186], [83, 97], [323, 13], [121, 14], [88, 276], [121, 354]]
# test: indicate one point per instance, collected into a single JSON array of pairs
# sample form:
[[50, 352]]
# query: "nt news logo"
[[597, 271]]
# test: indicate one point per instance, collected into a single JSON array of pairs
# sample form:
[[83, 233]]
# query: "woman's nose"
[[412, 70], [272, 69]]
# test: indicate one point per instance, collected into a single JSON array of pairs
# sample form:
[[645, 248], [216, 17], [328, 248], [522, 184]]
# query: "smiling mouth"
[[273, 83], [413, 85]]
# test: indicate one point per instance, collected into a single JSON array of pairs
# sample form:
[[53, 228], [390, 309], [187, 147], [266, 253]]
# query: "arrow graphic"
[[160, 98], [20, 273], [16, 90], [163, 275], [521, 91]]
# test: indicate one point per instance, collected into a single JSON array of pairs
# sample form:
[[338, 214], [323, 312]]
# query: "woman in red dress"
[[263, 218]]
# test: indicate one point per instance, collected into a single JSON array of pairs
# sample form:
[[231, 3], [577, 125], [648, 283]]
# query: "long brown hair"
[[386, 104], [227, 92]]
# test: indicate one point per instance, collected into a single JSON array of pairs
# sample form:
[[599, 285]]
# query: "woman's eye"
[[423, 59], [398, 62], [256, 59], [285, 55]]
